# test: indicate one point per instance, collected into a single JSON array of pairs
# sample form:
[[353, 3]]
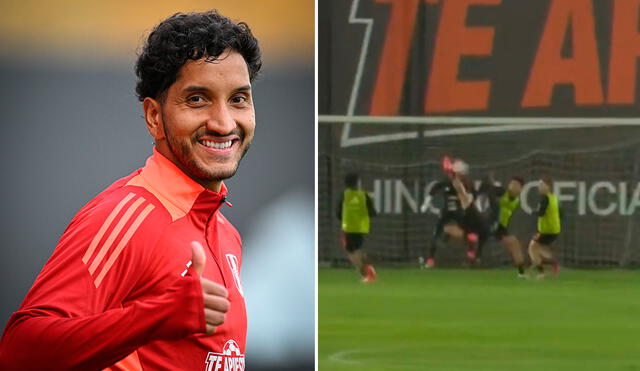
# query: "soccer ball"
[[460, 167]]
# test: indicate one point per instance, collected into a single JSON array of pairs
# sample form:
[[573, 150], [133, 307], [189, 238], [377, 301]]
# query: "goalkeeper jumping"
[[453, 221], [474, 224]]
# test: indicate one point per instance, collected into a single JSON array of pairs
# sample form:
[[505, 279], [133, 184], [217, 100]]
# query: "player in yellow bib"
[[355, 207], [504, 202], [549, 228]]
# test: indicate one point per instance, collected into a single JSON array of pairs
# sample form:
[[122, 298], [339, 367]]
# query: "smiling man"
[[146, 275]]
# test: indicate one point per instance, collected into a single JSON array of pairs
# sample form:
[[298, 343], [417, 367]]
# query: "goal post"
[[595, 165]]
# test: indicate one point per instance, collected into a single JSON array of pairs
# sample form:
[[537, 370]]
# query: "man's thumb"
[[198, 259]]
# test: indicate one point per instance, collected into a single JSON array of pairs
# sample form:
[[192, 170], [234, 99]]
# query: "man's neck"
[[214, 186], [164, 150]]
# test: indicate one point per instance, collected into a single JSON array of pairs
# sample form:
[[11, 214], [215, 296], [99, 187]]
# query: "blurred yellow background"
[[115, 29]]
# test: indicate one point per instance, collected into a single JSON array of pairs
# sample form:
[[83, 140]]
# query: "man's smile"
[[219, 146]]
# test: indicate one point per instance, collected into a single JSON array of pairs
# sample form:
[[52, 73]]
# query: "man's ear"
[[153, 117]]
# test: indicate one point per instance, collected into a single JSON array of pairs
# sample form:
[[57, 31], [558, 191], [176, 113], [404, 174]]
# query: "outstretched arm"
[[466, 198], [429, 196]]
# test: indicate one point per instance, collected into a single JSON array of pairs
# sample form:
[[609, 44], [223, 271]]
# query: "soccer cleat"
[[522, 276], [471, 254], [430, 263], [540, 276], [472, 238], [371, 270], [369, 278], [371, 274]]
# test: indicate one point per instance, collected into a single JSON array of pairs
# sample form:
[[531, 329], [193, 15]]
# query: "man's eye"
[[195, 99], [238, 99]]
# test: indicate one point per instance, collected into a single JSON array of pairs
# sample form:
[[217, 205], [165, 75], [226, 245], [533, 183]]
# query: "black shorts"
[[545, 239], [474, 222], [451, 218], [500, 232], [447, 218], [352, 241]]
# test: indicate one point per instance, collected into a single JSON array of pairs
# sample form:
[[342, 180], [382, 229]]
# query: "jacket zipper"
[[212, 247]]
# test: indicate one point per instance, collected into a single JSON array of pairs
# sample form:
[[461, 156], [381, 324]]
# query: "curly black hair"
[[191, 36]]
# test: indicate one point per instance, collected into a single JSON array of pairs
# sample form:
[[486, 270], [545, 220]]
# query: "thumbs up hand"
[[214, 295]]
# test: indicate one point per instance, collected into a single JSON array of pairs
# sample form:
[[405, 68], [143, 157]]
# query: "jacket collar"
[[176, 190]]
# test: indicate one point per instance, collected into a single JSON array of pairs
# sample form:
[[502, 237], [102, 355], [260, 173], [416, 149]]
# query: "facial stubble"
[[183, 152]]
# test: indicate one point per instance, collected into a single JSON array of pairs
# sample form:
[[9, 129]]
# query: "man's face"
[[543, 188], [515, 188], [208, 117]]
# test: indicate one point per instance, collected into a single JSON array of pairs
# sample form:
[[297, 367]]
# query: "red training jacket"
[[117, 293]]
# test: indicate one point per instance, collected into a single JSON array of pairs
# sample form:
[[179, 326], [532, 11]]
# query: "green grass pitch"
[[448, 319]]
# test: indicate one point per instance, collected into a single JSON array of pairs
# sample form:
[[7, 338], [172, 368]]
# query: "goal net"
[[596, 170]]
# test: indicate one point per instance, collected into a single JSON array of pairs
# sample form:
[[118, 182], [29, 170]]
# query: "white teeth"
[[217, 145]]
